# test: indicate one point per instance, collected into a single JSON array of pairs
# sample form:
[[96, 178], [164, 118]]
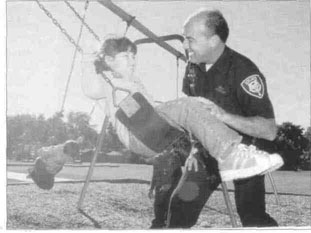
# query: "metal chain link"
[[82, 20], [56, 23], [74, 55]]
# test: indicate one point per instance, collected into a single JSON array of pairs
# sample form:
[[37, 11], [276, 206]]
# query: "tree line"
[[26, 133]]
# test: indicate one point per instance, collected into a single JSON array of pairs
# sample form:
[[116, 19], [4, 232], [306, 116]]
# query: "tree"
[[290, 144], [23, 133], [56, 130], [112, 142], [79, 126], [307, 135], [305, 159], [26, 133]]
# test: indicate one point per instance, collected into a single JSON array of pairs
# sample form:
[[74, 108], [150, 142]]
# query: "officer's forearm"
[[258, 127]]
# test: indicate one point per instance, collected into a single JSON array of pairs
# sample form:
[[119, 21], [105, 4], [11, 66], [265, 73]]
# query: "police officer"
[[238, 89]]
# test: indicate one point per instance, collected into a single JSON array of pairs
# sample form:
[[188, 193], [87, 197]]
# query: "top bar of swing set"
[[134, 23], [140, 27]]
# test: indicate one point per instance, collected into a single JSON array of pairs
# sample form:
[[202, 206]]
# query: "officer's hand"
[[192, 162]]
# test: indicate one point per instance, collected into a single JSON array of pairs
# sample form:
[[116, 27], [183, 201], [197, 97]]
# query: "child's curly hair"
[[112, 46]]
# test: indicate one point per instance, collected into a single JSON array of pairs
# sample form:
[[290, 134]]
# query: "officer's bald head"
[[213, 21]]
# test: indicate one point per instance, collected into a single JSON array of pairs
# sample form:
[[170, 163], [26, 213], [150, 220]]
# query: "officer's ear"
[[215, 40]]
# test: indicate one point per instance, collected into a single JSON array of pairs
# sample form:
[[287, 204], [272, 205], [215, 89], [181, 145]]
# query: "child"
[[116, 60]]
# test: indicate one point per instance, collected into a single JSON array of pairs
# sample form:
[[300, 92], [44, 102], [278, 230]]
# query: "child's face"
[[124, 64]]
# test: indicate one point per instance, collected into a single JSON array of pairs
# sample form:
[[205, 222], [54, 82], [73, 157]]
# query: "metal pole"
[[274, 188], [140, 27], [91, 168], [164, 38], [228, 204], [177, 76]]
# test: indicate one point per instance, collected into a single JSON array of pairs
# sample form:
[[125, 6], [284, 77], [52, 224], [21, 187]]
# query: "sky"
[[274, 34]]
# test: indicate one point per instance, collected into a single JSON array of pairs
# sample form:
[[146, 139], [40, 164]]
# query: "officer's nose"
[[186, 44]]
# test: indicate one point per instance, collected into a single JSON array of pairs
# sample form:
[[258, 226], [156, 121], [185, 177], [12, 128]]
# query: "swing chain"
[[128, 24], [82, 20], [57, 24], [75, 54], [177, 76]]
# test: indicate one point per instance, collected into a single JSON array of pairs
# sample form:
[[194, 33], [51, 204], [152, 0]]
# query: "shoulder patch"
[[253, 85]]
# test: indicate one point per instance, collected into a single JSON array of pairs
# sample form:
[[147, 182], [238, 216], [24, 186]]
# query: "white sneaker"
[[247, 161]]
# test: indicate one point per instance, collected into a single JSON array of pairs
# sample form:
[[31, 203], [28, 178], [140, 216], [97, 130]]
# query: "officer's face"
[[198, 42], [123, 64]]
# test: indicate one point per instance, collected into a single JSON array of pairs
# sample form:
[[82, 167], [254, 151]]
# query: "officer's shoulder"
[[243, 63]]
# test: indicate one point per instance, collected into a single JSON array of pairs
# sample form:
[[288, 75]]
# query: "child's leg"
[[131, 142], [195, 117], [188, 113], [223, 143], [141, 128], [235, 160]]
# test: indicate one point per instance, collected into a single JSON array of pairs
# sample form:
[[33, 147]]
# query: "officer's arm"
[[257, 126], [253, 97], [258, 119]]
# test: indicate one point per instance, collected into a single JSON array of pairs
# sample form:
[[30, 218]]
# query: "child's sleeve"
[[93, 85]]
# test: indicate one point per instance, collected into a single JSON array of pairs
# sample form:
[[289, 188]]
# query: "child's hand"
[[150, 194]]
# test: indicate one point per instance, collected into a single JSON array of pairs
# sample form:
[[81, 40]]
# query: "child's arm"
[[93, 85], [133, 86]]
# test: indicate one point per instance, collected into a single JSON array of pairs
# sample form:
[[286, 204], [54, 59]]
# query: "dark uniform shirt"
[[235, 84]]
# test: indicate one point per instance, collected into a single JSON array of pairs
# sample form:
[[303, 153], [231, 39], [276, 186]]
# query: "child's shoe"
[[247, 161]]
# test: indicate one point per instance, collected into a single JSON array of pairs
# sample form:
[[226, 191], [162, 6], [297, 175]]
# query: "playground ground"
[[117, 199]]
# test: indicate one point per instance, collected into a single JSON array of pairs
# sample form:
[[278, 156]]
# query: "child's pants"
[[194, 116]]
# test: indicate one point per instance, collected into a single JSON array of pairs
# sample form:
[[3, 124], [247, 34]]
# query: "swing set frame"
[[150, 38]]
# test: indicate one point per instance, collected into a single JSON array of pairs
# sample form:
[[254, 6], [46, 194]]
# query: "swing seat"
[[145, 123]]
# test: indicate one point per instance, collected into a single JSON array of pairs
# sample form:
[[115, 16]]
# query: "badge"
[[253, 86], [221, 90]]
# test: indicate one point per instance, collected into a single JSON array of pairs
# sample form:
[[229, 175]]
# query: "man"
[[238, 89]]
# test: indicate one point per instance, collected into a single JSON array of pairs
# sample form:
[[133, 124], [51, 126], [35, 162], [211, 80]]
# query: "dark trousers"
[[249, 198], [251, 204], [162, 199], [160, 207]]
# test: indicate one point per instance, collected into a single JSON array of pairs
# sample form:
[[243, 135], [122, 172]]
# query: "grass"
[[126, 205], [286, 181]]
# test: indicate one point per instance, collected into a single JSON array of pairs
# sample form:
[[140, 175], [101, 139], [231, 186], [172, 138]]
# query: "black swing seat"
[[146, 124]]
